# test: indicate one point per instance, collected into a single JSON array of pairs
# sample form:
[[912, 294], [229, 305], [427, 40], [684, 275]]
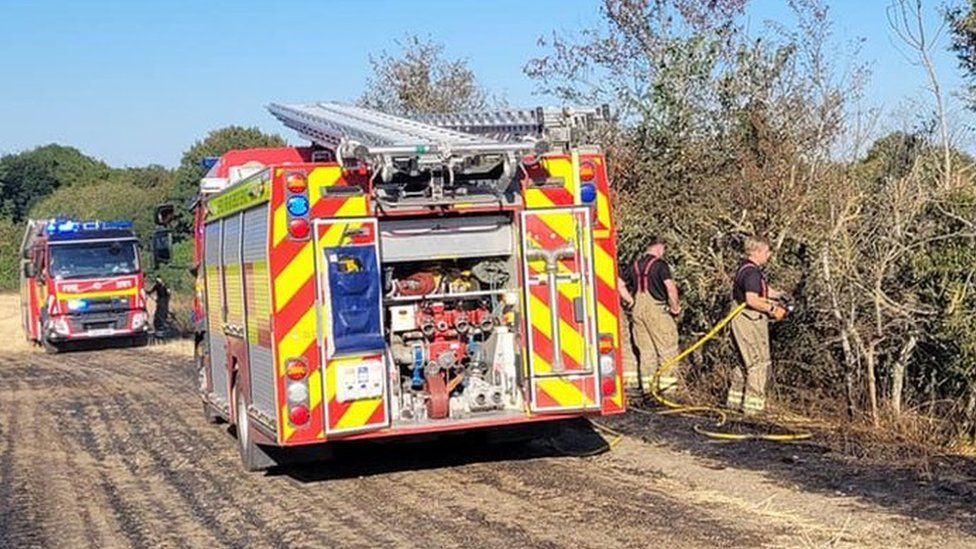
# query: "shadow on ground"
[[945, 493], [355, 459]]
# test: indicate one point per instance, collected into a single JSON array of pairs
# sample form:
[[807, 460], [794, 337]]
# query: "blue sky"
[[136, 81]]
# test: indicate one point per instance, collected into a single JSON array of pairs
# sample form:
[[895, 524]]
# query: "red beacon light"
[[298, 228], [299, 415]]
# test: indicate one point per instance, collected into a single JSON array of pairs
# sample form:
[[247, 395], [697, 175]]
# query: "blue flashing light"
[[208, 162], [297, 205], [61, 226], [77, 305], [587, 193]]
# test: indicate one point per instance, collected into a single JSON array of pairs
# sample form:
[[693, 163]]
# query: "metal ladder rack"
[[559, 126], [335, 125]]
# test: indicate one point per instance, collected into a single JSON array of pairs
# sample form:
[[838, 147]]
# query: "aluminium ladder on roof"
[[553, 123], [333, 125]]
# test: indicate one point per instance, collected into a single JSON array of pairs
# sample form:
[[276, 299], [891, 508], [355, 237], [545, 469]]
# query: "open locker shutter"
[[560, 309], [351, 324]]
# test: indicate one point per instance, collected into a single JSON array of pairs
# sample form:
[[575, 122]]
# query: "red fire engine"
[[400, 277], [81, 281]]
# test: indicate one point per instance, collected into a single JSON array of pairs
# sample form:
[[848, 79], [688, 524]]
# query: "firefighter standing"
[[751, 328], [650, 290], [161, 292]]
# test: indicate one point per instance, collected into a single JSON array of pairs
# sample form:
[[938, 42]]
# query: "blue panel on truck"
[[354, 292]]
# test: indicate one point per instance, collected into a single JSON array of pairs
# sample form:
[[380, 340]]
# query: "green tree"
[[27, 177], [419, 80], [216, 143], [10, 237], [962, 22]]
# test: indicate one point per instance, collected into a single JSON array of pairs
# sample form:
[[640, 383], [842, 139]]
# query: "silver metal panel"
[[256, 234], [232, 240], [218, 363], [211, 244], [423, 239], [262, 379]]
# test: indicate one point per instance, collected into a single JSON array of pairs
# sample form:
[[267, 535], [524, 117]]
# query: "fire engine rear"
[[402, 277], [81, 281]]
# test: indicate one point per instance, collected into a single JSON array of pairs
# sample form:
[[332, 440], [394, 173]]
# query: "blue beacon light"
[[297, 205]]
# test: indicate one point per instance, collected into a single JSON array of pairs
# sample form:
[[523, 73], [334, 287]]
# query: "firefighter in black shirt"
[[751, 328], [648, 288]]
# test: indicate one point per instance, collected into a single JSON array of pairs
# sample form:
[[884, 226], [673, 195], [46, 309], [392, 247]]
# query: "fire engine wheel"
[[252, 457]]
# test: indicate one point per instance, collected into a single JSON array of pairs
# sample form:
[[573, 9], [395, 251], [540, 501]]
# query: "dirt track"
[[110, 448]]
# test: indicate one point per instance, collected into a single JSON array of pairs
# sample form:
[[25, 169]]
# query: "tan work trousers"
[[656, 336], [748, 390]]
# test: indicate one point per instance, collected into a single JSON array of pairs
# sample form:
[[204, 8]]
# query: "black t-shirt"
[[748, 278], [656, 275]]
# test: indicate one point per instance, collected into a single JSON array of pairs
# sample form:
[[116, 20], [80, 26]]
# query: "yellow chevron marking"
[[358, 413], [354, 206], [107, 293], [559, 167], [297, 339], [606, 322], [314, 389], [326, 176], [294, 276], [286, 429], [603, 208], [280, 222], [564, 392], [603, 267], [536, 198]]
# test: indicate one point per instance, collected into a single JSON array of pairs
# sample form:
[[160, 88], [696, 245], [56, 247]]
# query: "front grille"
[[85, 322]]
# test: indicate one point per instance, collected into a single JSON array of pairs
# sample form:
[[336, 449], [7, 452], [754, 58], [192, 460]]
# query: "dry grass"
[[11, 328]]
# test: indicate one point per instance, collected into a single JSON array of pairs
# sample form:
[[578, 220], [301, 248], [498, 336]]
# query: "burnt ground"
[[110, 449]]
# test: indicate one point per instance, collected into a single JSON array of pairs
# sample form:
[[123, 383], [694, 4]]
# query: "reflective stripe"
[[755, 403]]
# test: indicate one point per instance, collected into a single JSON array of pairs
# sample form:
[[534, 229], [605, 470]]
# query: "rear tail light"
[[298, 228], [299, 415], [608, 365], [297, 393]]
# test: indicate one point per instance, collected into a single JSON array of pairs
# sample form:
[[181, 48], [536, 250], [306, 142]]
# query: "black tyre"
[[252, 457], [140, 340]]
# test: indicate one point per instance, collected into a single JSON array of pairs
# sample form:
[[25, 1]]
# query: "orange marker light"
[[587, 171], [296, 370], [296, 182]]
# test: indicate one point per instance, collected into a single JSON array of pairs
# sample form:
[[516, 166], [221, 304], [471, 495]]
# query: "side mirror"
[[165, 214], [30, 270], [162, 247]]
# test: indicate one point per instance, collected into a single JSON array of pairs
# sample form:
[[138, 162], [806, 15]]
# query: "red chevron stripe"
[[296, 307]]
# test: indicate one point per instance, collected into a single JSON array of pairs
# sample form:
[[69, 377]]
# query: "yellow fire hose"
[[677, 408]]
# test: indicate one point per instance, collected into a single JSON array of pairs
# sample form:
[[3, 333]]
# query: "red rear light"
[[298, 228], [296, 182], [296, 370], [608, 386], [587, 171], [299, 415]]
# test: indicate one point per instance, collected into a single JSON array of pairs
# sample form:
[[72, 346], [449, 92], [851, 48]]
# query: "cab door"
[[350, 309], [557, 252]]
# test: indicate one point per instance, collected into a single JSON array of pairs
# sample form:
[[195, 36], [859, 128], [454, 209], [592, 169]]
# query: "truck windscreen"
[[93, 259]]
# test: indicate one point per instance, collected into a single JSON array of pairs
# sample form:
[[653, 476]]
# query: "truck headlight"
[[139, 320], [60, 326]]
